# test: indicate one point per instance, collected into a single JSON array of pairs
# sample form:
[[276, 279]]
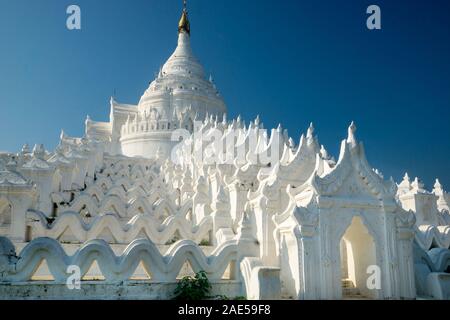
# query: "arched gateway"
[[342, 222]]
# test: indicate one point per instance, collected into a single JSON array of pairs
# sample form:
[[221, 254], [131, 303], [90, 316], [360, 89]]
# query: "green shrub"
[[175, 239], [204, 243], [224, 297], [193, 288]]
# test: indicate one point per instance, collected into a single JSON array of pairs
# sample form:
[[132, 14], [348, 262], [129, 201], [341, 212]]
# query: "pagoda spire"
[[184, 25]]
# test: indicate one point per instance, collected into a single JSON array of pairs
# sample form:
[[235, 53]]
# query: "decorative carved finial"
[[351, 134], [405, 185], [291, 143], [392, 186], [310, 131], [279, 128], [245, 224], [324, 153], [378, 173], [406, 177], [437, 184], [221, 202], [438, 190], [26, 148], [38, 151], [310, 139], [184, 24], [417, 185]]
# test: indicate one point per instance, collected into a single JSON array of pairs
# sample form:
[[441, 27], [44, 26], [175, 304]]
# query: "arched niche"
[[56, 181], [358, 252], [5, 213]]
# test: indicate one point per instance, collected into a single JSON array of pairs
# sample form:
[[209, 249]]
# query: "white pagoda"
[[171, 187], [180, 95]]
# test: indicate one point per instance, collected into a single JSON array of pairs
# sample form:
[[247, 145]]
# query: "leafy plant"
[[193, 288], [172, 241], [224, 297], [204, 243]]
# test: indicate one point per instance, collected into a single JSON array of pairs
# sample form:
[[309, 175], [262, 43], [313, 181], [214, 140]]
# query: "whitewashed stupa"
[[129, 208], [179, 95]]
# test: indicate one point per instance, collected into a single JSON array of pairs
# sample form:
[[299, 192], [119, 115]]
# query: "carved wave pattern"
[[163, 268], [139, 226], [429, 236]]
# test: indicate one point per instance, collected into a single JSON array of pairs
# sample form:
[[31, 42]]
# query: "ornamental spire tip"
[[184, 24]]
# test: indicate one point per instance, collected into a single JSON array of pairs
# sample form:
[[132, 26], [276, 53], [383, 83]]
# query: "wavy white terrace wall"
[[44, 259], [124, 199], [43, 273], [70, 228], [22, 267]]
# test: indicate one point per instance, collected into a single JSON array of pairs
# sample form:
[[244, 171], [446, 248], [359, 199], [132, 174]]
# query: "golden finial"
[[184, 25]]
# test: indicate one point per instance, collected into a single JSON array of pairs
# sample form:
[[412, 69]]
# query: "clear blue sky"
[[289, 61]]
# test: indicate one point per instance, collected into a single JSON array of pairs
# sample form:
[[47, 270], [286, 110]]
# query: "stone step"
[[347, 283], [351, 292]]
